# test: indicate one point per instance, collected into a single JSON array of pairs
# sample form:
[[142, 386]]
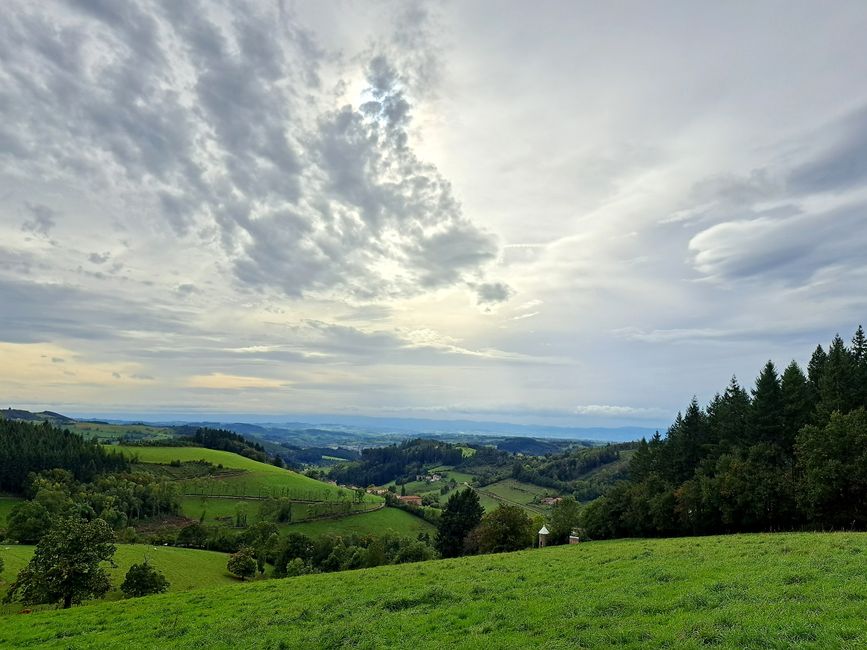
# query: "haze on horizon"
[[560, 212]]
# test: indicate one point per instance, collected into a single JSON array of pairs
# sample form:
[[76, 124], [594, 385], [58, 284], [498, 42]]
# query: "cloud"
[[620, 411], [223, 381], [839, 163], [220, 125], [493, 292], [789, 246], [99, 258], [42, 219]]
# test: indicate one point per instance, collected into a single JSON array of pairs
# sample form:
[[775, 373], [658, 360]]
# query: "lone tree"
[[462, 513], [243, 563], [508, 528], [143, 580], [565, 517], [65, 566]]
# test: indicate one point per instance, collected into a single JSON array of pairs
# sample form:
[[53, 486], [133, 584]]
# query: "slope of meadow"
[[184, 568], [379, 522], [252, 478], [744, 591]]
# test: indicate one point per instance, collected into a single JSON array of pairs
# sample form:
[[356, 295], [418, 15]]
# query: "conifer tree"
[[766, 413], [815, 370], [837, 382], [859, 358], [797, 406]]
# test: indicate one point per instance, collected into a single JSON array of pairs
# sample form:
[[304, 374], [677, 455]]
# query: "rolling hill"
[[743, 591], [184, 568]]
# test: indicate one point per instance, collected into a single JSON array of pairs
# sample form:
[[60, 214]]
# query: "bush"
[[243, 563], [143, 580]]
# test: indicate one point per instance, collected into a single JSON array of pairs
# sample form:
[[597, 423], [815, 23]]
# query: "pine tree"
[[836, 388], [859, 358], [462, 513], [728, 419], [766, 414], [797, 406], [815, 370]]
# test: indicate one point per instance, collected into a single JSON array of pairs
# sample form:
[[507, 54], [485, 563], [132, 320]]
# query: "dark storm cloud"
[[217, 122]]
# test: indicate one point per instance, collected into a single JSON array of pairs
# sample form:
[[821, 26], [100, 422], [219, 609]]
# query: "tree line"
[[401, 462], [26, 447], [791, 453]]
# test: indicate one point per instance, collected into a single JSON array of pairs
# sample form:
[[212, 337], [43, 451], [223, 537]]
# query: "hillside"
[[184, 568], [745, 591], [252, 478]]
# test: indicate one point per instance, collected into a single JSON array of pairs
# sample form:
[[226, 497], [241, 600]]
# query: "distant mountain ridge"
[[41, 416]]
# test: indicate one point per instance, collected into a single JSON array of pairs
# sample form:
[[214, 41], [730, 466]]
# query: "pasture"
[[741, 591], [378, 522], [254, 479], [184, 568]]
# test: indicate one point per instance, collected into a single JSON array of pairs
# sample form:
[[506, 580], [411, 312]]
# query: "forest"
[[789, 454], [401, 462], [27, 447]]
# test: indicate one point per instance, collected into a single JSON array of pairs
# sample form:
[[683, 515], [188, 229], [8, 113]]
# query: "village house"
[[411, 499], [550, 501]]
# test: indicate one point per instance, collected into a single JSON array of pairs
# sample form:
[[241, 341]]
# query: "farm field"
[[255, 479], [107, 432], [216, 509], [184, 568], [378, 522], [6, 505], [513, 492], [740, 591], [422, 488]]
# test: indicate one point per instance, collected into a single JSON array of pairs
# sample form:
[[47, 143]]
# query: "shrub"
[[243, 563], [143, 580]]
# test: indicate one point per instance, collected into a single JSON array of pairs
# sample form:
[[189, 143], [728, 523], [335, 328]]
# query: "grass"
[[747, 591], [513, 492], [216, 509], [379, 522], [117, 431], [6, 505], [185, 569], [255, 479]]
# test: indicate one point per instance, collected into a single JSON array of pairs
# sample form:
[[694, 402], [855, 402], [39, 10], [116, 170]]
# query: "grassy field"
[[379, 522], [512, 492], [254, 479], [184, 568], [115, 432], [746, 591], [217, 509], [6, 505]]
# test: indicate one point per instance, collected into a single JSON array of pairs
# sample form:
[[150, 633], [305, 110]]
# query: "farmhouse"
[[550, 501], [413, 500]]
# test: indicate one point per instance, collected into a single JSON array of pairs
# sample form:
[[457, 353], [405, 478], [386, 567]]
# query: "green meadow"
[[184, 568], [103, 431], [740, 591], [253, 479], [512, 492], [378, 522], [213, 510]]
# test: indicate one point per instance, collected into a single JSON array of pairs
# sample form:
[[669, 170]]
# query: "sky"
[[575, 213]]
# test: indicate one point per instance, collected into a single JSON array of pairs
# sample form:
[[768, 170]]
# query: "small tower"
[[543, 536]]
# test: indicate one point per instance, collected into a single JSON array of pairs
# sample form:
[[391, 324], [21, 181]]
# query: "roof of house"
[[543, 531]]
